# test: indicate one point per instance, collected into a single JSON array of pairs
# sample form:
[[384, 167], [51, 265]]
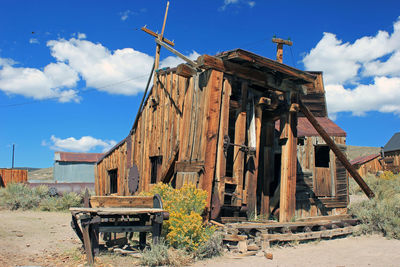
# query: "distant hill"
[[40, 174], [359, 151]]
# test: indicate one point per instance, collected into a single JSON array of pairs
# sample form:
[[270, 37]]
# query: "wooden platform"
[[250, 236], [116, 211]]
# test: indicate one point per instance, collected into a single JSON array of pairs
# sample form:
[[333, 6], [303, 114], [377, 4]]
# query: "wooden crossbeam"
[[165, 40], [279, 49]]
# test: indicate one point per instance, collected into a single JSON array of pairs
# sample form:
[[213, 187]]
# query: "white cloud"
[[84, 144], [125, 15], [382, 95], [33, 41], [251, 3], [349, 69], [81, 35], [99, 66], [52, 82], [237, 3], [173, 61], [123, 71]]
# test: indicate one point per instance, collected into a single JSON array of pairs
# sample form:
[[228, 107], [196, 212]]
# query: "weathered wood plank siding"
[[320, 191], [13, 176], [179, 124]]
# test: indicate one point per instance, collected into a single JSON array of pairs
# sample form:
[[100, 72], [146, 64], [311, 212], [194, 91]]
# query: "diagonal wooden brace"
[[336, 150]]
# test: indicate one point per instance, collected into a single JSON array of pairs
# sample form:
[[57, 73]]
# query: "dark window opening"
[[113, 174], [322, 156], [300, 141], [155, 162], [229, 192], [231, 134]]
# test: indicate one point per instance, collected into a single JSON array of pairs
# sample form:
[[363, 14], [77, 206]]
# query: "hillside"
[[41, 174], [359, 151]]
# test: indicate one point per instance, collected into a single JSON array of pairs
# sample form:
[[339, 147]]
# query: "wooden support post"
[[220, 168], [240, 139], [339, 154], [160, 38], [269, 164], [253, 162], [288, 170], [214, 87], [142, 240], [87, 240]]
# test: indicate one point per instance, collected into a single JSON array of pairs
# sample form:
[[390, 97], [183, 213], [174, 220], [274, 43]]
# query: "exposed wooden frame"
[[260, 78], [353, 172]]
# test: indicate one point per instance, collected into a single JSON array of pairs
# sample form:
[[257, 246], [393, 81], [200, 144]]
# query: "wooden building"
[[214, 125], [368, 164], [391, 154]]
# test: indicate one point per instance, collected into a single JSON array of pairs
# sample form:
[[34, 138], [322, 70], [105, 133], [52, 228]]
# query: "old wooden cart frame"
[[94, 221]]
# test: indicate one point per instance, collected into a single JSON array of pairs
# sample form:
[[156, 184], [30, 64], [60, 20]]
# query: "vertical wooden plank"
[[213, 115], [253, 166], [288, 170], [240, 139], [220, 168], [223, 131]]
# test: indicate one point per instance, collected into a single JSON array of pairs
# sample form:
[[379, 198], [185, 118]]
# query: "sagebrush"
[[20, 196], [382, 213]]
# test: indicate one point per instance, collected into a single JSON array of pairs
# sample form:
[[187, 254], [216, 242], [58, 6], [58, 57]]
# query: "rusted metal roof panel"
[[305, 128], [77, 157], [364, 159]]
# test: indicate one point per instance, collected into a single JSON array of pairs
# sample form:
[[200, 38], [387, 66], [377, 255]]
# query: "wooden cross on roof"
[[160, 38], [279, 49]]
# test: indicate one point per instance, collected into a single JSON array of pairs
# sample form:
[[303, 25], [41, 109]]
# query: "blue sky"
[[72, 73]]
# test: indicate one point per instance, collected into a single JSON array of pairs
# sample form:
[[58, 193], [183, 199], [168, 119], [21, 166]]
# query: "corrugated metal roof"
[[393, 144], [364, 159], [305, 128], [77, 157]]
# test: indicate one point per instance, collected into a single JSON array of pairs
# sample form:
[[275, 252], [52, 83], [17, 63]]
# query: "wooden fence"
[[12, 176]]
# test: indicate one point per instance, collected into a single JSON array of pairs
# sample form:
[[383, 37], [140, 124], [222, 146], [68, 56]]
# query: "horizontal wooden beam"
[[271, 64], [121, 201], [260, 78], [165, 40], [282, 41], [185, 70], [339, 154]]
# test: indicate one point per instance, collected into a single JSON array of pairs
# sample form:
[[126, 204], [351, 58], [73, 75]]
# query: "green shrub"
[[155, 256], [211, 248], [161, 254], [21, 196], [382, 213]]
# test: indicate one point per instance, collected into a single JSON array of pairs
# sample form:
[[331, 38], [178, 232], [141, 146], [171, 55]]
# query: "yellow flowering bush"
[[185, 228], [387, 175]]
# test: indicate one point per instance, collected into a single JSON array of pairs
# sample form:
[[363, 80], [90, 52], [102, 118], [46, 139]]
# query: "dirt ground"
[[46, 239]]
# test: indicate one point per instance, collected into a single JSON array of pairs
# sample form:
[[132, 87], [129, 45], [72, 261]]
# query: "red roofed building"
[[367, 164]]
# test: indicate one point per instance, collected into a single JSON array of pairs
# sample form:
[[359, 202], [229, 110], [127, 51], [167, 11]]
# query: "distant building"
[[72, 167], [391, 153], [368, 164]]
